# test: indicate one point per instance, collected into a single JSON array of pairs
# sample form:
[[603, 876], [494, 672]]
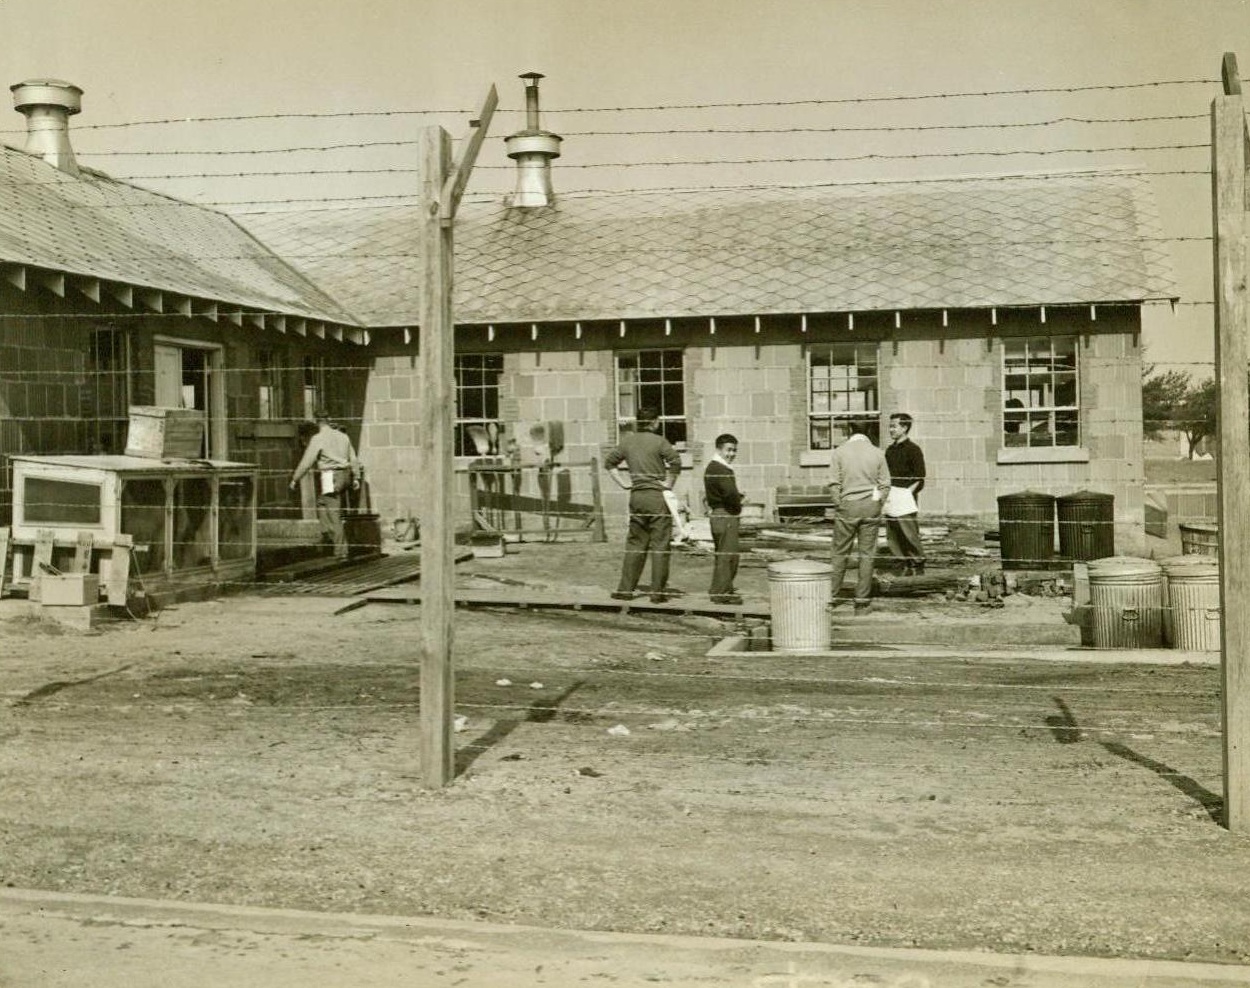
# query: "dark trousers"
[[650, 533], [725, 544], [855, 526], [902, 535], [330, 512]]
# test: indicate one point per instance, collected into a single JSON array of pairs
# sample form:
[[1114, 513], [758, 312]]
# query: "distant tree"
[[1171, 400]]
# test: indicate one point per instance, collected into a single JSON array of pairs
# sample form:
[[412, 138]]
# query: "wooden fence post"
[[1229, 142]]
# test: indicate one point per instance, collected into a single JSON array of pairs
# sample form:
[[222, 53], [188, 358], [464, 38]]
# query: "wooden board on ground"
[[349, 579], [526, 597]]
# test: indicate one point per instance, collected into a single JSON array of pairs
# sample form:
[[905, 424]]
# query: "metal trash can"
[[1200, 539], [1086, 525], [799, 592], [1127, 596], [1026, 529], [1192, 621]]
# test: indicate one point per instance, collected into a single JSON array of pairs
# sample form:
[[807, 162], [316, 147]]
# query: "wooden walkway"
[[531, 597]]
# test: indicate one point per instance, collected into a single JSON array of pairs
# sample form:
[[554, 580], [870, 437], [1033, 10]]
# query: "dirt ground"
[[263, 750]]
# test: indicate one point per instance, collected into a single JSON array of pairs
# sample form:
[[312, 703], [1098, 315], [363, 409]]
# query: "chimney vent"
[[48, 105], [532, 149]]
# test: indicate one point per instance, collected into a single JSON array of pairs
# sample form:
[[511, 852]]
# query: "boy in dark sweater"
[[907, 470], [724, 506]]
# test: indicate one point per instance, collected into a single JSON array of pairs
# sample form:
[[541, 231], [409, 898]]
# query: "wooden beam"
[[89, 287], [453, 186], [16, 276], [278, 323], [53, 281], [205, 308], [436, 411], [124, 294], [300, 326], [336, 331], [152, 299], [1232, 358], [182, 305], [235, 316], [318, 330], [257, 319]]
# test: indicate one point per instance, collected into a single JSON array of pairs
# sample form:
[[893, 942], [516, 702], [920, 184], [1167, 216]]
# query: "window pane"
[[1067, 429]]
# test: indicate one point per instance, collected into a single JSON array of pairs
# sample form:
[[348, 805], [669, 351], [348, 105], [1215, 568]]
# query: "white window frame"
[[1036, 384], [627, 411], [494, 437], [870, 413]]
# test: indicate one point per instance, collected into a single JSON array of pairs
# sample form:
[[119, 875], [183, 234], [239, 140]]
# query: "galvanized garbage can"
[[799, 592], [1127, 596], [1086, 525], [1200, 539], [1026, 529], [1192, 621]]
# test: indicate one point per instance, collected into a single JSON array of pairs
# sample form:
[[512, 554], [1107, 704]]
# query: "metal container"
[[1127, 595], [799, 593], [1200, 539], [1086, 525], [1193, 593], [1026, 529]]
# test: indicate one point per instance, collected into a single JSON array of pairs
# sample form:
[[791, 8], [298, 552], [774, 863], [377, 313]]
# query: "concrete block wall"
[[948, 377], [748, 391], [389, 434]]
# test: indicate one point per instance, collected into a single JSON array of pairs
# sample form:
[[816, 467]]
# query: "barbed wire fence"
[[1176, 144]]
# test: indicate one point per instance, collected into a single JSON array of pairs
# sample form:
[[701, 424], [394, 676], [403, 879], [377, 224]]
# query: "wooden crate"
[[165, 433]]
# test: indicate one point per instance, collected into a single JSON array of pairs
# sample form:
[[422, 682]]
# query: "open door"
[[189, 376]]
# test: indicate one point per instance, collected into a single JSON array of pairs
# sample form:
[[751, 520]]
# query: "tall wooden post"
[[437, 411], [1229, 142], [441, 187]]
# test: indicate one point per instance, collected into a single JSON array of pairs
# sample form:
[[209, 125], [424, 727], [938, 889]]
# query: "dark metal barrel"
[[1086, 525], [1026, 529]]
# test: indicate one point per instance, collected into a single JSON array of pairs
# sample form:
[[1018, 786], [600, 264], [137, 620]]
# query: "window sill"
[[815, 457], [1043, 454]]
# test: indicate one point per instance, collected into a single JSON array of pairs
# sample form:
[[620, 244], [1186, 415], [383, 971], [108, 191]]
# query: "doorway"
[[189, 375]]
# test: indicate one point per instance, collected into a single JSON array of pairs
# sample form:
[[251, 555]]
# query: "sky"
[[869, 89]]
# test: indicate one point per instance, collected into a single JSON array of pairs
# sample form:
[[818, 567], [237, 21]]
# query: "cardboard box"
[[69, 589], [165, 433]]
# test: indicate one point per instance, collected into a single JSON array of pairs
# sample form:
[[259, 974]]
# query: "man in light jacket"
[[331, 455], [859, 480]]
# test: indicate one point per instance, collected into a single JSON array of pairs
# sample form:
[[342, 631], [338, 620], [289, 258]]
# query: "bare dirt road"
[[262, 751]]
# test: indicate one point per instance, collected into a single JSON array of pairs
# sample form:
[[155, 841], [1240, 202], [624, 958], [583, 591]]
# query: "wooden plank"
[[436, 409], [454, 184], [44, 543], [82, 553], [503, 501], [1228, 150], [118, 588], [4, 556], [529, 597]]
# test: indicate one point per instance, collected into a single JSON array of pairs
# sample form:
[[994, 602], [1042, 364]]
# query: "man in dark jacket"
[[724, 506], [902, 521], [654, 466]]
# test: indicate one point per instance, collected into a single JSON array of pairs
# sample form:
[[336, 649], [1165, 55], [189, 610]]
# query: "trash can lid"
[[1122, 567], [1086, 497], [1026, 496], [1192, 566], [791, 569]]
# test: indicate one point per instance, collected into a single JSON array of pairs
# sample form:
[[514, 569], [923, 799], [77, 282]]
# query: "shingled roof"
[[97, 227], [1022, 240]]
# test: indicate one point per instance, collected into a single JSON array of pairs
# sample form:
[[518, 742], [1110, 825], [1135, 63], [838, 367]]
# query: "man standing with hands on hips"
[[654, 466], [859, 480], [902, 524]]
